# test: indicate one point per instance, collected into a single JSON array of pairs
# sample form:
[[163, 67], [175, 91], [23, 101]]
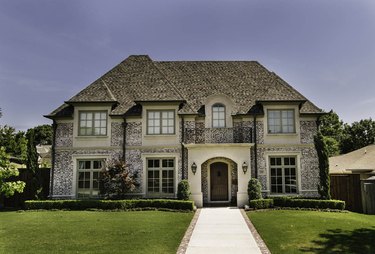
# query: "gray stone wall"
[[63, 174], [308, 130], [134, 134], [64, 135], [308, 166], [117, 134], [260, 132]]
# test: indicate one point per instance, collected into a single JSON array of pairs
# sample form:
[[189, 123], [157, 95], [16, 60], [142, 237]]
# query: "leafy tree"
[[332, 128], [13, 142], [117, 180], [7, 170], [42, 134], [358, 135], [324, 181]]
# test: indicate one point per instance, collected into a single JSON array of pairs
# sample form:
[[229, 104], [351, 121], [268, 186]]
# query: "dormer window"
[[218, 116]]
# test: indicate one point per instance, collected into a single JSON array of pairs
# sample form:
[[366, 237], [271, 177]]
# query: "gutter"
[[182, 147], [255, 147], [53, 159], [124, 125]]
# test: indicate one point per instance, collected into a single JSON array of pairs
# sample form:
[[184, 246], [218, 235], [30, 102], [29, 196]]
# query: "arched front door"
[[219, 181]]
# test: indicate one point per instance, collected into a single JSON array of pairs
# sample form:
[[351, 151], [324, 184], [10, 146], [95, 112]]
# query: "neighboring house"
[[44, 156], [215, 123], [361, 161]]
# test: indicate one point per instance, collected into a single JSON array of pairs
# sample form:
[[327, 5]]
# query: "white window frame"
[[218, 115], [283, 177], [100, 124], [161, 125], [282, 122], [91, 170], [160, 169]]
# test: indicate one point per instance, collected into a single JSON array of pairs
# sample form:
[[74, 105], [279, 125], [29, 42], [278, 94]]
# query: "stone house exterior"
[[215, 123]]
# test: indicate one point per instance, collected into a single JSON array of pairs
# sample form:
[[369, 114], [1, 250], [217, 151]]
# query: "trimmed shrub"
[[109, 204], [254, 189], [308, 203], [261, 203], [183, 190]]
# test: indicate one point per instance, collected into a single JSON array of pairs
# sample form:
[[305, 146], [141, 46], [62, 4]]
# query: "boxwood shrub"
[[109, 204], [261, 203], [308, 203]]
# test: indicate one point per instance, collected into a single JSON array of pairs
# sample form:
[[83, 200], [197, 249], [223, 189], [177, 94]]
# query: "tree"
[[42, 134], [358, 135], [254, 189], [7, 170], [117, 180], [332, 128], [13, 142], [324, 181], [32, 155]]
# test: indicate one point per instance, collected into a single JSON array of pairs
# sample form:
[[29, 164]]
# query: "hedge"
[[109, 204], [261, 203], [308, 203]]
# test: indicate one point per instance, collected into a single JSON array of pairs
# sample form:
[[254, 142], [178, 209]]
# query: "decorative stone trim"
[[258, 239], [186, 239]]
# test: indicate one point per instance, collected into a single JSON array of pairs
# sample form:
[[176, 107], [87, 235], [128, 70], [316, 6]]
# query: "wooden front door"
[[219, 181]]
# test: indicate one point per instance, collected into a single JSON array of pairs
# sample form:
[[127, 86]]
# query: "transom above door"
[[219, 181]]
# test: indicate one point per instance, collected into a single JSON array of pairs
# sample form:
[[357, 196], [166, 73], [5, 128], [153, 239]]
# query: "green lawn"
[[291, 231], [92, 232]]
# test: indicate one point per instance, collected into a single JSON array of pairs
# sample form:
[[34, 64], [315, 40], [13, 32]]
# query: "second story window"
[[281, 121], [160, 122], [218, 116], [92, 123]]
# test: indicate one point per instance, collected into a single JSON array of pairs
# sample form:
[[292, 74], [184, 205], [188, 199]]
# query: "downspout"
[[53, 159], [124, 125], [255, 147], [182, 147]]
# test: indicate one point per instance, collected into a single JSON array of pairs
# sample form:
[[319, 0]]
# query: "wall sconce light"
[[244, 167], [194, 168]]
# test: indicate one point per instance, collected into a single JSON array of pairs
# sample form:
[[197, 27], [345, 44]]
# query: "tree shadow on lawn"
[[359, 241]]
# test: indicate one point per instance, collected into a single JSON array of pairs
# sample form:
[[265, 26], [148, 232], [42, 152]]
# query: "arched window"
[[218, 115]]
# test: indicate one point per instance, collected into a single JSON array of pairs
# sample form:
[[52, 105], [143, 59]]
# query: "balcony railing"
[[218, 135]]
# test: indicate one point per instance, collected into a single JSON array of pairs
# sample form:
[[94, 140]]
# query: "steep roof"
[[359, 160], [138, 78]]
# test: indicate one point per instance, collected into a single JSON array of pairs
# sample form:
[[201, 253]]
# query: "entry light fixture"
[[244, 167], [194, 168]]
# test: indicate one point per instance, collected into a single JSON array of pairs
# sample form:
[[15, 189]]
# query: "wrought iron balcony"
[[218, 135]]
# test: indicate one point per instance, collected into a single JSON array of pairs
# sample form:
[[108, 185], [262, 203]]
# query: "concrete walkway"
[[221, 230]]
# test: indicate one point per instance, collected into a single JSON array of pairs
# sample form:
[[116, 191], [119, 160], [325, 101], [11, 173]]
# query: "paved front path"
[[221, 230]]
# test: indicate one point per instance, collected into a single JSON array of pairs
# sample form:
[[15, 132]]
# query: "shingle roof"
[[138, 78], [361, 159]]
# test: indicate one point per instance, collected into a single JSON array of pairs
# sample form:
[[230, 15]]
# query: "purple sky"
[[50, 50]]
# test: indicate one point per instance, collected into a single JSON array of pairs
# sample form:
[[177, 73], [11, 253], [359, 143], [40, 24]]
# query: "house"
[[347, 172], [215, 123], [44, 155], [361, 162]]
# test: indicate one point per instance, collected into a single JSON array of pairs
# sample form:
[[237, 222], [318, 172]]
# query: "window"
[[160, 177], [281, 121], [88, 178], [283, 174], [218, 116], [160, 122], [92, 123]]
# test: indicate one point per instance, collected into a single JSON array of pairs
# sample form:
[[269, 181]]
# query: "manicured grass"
[[292, 231], [92, 232]]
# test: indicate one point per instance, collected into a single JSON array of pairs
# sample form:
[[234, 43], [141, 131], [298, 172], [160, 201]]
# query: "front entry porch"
[[219, 178]]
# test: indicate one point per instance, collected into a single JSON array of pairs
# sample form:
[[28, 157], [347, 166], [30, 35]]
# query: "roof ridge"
[[109, 90]]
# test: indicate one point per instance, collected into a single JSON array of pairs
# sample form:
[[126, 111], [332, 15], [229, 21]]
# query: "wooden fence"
[[39, 181], [347, 188]]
